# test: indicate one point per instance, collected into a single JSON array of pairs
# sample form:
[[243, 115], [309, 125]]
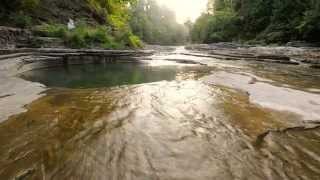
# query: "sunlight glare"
[[185, 9]]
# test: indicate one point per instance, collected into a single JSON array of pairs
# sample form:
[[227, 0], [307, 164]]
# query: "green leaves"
[[222, 26], [271, 21], [29, 5], [116, 14], [86, 36]]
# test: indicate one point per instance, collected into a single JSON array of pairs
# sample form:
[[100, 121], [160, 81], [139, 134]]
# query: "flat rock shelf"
[[215, 112]]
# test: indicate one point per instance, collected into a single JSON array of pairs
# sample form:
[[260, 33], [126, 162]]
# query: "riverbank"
[[309, 56]]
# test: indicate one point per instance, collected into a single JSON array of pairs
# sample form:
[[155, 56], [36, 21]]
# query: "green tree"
[[270, 21]]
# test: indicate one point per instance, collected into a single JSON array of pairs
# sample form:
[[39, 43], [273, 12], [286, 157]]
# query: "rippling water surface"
[[165, 121], [112, 74]]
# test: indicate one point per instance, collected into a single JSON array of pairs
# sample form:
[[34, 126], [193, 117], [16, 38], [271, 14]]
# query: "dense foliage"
[[156, 24], [82, 36], [14, 11], [99, 23], [264, 21], [116, 15]]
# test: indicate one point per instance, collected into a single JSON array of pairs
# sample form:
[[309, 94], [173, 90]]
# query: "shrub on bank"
[[51, 30], [85, 36], [134, 41], [21, 20]]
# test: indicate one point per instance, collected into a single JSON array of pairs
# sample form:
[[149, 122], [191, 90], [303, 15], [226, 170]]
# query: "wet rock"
[[315, 66], [273, 57], [16, 93], [184, 61], [182, 129], [16, 61], [287, 146], [166, 130], [6, 95], [159, 48], [33, 58], [282, 55], [24, 174], [270, 96], [302, 44], [12, 37], [143, 137], [310, 126]]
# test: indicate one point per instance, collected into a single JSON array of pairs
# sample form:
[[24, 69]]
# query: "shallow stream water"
[[167, 119], [113, 74]]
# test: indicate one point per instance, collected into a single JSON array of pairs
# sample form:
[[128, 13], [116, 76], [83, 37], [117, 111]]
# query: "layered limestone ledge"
[[15, 92], [281, 54], [12, 37]]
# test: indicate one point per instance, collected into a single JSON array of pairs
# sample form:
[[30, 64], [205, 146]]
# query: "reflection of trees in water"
[[87, 76]]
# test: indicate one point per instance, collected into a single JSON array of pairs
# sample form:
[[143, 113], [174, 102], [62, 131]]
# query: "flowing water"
[[110, 75], [167, 118]]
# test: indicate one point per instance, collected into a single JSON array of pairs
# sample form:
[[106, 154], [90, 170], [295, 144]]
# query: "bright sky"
[[185, 9]]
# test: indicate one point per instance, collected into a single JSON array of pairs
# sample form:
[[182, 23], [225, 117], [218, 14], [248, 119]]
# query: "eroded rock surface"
[[285, 99], [281, 55], [165, 130], [11, 37], [15, 92], [213, 128]]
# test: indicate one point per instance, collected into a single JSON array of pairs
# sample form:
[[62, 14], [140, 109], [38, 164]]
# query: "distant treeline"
[[258, 21]]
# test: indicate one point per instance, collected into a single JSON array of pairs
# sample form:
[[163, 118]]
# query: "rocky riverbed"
[[282, 54], [16, 92], [235, 119]]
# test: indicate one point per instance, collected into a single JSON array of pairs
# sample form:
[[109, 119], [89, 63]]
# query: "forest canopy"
[[258, 21], [120, 23]]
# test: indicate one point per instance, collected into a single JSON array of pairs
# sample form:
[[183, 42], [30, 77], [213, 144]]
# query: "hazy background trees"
[[156, 24]]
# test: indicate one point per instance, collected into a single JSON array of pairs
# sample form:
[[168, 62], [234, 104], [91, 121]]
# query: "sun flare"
[[185, 9]]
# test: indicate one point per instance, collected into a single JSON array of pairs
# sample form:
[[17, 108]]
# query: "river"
[[174, 115]]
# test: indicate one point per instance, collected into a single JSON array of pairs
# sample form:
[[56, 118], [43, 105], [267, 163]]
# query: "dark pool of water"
[[113, 74]]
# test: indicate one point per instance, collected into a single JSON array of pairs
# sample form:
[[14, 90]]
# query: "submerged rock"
[[280, 98], [315, 66], [167, 130]]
